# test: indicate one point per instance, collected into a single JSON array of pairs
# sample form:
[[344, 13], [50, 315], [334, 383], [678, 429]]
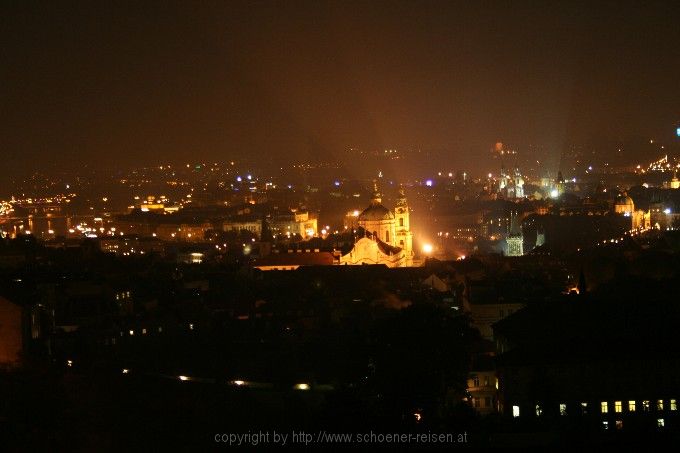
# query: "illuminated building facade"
[[388, 239], [514, 240]]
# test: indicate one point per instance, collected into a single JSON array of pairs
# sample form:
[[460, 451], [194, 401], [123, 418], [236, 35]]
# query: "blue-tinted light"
[[428, 183], [677, 131]]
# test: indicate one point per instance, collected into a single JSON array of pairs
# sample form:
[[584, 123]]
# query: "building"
[[624, 206], [387, 236], [11, 333], [291, 260], [515, 240]]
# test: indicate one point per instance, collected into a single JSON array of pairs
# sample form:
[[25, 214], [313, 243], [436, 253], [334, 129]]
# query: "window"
[[387, 236], [486, 381], [539, 410], [673, 405], [515, 411], [660, 422], [584, 408], [502, 313], [475, 402], [617, 406], [475, 381], [659, 405], [672, 401], [604, 407], [563, 409], [605, 425], [631, 406], [487, 401], [619, 424], [645, 406], [401, 221]]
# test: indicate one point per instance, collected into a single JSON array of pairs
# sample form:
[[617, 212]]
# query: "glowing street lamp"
[[427, 249]]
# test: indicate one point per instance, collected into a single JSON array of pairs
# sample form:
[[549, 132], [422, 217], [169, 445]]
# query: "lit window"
[[604, 407], [617, 406], [539, 410], [660, 422], [631, 406], [563, 409], [515, 411], [584, 408], [645, 406], [619, 424], [659, 405], [672, 401], [674, 405]]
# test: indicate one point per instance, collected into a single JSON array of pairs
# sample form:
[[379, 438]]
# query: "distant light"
[[27, 231], [132, 332], [69, 363], [337, 183], [239, 179], [554, 193], [184, 378], [302, 386], [677, 132], [428, 183], [238, 383], [249, 177], [667, 211], [427, 248], [125, 371]]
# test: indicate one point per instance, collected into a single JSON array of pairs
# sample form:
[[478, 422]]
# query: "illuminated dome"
[[376, 212], [624, 204]]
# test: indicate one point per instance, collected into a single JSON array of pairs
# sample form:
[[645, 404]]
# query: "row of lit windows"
[[646, 406]]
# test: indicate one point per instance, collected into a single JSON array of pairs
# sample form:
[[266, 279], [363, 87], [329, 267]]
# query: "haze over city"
[[116, 85], [340, 223]]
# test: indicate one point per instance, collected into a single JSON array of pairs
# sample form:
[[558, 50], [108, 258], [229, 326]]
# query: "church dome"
[[376, 212], [624, 200]]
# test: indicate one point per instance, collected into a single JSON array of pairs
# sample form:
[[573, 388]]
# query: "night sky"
[[139, 83]]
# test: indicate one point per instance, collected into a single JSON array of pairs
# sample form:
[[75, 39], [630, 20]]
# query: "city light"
[[427, 248], [302, 386]]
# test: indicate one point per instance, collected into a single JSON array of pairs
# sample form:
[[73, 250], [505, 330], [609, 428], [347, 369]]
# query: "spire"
[[377, 199], [582, 286], [401, 200], [514, 224]]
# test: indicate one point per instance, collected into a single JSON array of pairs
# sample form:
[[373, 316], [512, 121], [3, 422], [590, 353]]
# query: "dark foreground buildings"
[[104, 350]]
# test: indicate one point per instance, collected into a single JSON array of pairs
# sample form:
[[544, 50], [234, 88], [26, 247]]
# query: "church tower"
[[404, 236], [515, 240]]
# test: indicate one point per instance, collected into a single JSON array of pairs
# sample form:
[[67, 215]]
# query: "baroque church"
[[387, 236]]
